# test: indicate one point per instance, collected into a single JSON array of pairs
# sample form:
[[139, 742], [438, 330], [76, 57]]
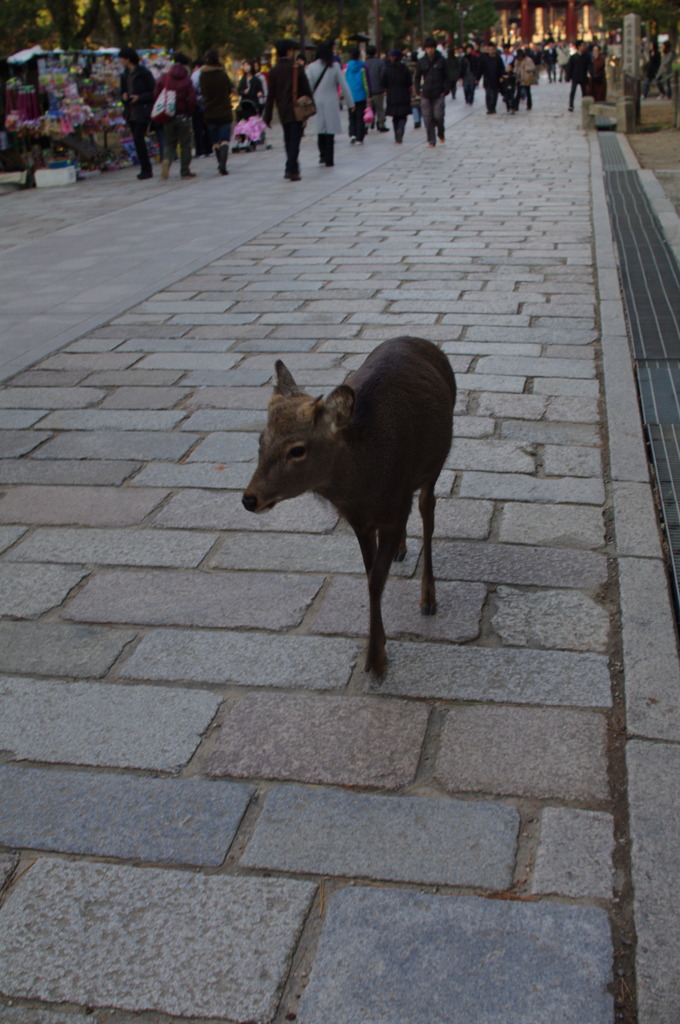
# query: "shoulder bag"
[[303, 106]]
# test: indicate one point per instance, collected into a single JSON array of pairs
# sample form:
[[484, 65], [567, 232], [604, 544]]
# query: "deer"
[[365, 448]]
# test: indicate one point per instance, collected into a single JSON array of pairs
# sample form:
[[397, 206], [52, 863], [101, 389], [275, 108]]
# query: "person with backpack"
[[137, 91], [432, 85], [177, 130]]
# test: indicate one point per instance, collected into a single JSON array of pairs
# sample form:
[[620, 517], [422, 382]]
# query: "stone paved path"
[[208, 810]]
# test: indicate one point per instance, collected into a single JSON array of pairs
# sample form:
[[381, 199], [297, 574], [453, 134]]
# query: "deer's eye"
[[298, 451]]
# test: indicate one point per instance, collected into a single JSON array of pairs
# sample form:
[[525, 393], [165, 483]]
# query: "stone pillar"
[[631, 45]]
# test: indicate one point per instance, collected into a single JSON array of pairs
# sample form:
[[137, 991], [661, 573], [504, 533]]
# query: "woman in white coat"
[[325, 78]]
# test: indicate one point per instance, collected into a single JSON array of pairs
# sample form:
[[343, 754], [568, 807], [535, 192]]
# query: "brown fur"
[[365, 448]]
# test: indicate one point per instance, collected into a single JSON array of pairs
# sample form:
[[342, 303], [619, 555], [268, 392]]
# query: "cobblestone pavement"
[[209, 810]]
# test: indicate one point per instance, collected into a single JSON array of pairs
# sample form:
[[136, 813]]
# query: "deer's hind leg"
[[426, 504]]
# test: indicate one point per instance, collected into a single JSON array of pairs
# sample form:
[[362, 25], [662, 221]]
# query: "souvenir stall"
[[64, 117]]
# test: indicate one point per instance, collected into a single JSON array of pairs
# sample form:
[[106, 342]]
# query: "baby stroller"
[[250, 129]]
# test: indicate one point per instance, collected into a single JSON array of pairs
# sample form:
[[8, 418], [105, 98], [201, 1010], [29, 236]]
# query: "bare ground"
[[657, 146]]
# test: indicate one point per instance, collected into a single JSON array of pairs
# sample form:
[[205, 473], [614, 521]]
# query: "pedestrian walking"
[[453, 63], [216, 89], [374, 65], [327, 82], [493, 72], [597, 78], [550, 61], [355, 74], [526, 75], [563, 54], [651, 69], [432, 85], [177, 131], [665, 75], [287, 80], [398, 85], [202, 143], [577, 71], [137, 92], [470, 73]]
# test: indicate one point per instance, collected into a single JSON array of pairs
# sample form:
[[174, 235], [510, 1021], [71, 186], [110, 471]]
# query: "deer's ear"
[[338, 407], [285, 385]]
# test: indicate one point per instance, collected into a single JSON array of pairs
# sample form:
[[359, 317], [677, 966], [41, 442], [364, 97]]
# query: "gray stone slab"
[[151, 727], [635, 520], [54, 648], [34, 1015], [18, 442], [459, 608], [571, 460], [519, 564], [220, 599], [226, 446], [653, 772], [196, 475], [49, 398], [574, 409], [28, 471], [125, 444], [161, 820], [282, 552], [544, 432], [20, 419], [560, 619], [133, 378], [502, 675], [173, 941], [49, 378], [229, 397], [407, 839], [546, 753], [650, 650], [144, 398], [252, 659], [224, 511], [557, 525], [88, 361], [419, 958], [188, 360], [81, 506], [524, 407], [489, 455], [8, 864], [113, 419], [566, 387], [27, 591], [9, 535], [522, 366], [343, 741], [226, 419], [574, 855], [521, 487], [174, 548]]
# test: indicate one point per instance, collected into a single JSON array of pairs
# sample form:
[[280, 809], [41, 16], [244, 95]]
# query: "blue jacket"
[[355, 74]]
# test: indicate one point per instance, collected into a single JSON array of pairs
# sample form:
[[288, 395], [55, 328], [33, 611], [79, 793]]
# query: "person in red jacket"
[[178, 129]]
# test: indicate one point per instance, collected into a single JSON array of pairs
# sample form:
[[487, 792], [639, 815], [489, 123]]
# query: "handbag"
[[164, 109], [303, 106], [369, 116]]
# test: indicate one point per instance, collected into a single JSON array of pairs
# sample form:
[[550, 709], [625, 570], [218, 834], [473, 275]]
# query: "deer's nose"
[[249, 502]]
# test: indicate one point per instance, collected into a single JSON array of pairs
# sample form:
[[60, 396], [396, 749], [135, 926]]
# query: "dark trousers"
[[326, 148], [518, 96], [572, 92], [292, 136], [399, 125], [469, 90], [202, 143], [357, 127], [138, 129], [491, 98]]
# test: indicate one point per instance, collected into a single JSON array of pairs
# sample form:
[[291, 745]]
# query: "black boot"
[[222, 157]]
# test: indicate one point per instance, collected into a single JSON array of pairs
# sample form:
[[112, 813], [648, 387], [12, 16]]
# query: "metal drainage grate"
[[651, 286]]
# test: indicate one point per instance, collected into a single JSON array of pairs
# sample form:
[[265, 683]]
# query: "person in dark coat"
[[216, 89], [432, 85], [470, 73], [178, 129], [652, 70], [493, 70], [398, 86], [137, 88], [281, 93], [597, 76], [577, 71]]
